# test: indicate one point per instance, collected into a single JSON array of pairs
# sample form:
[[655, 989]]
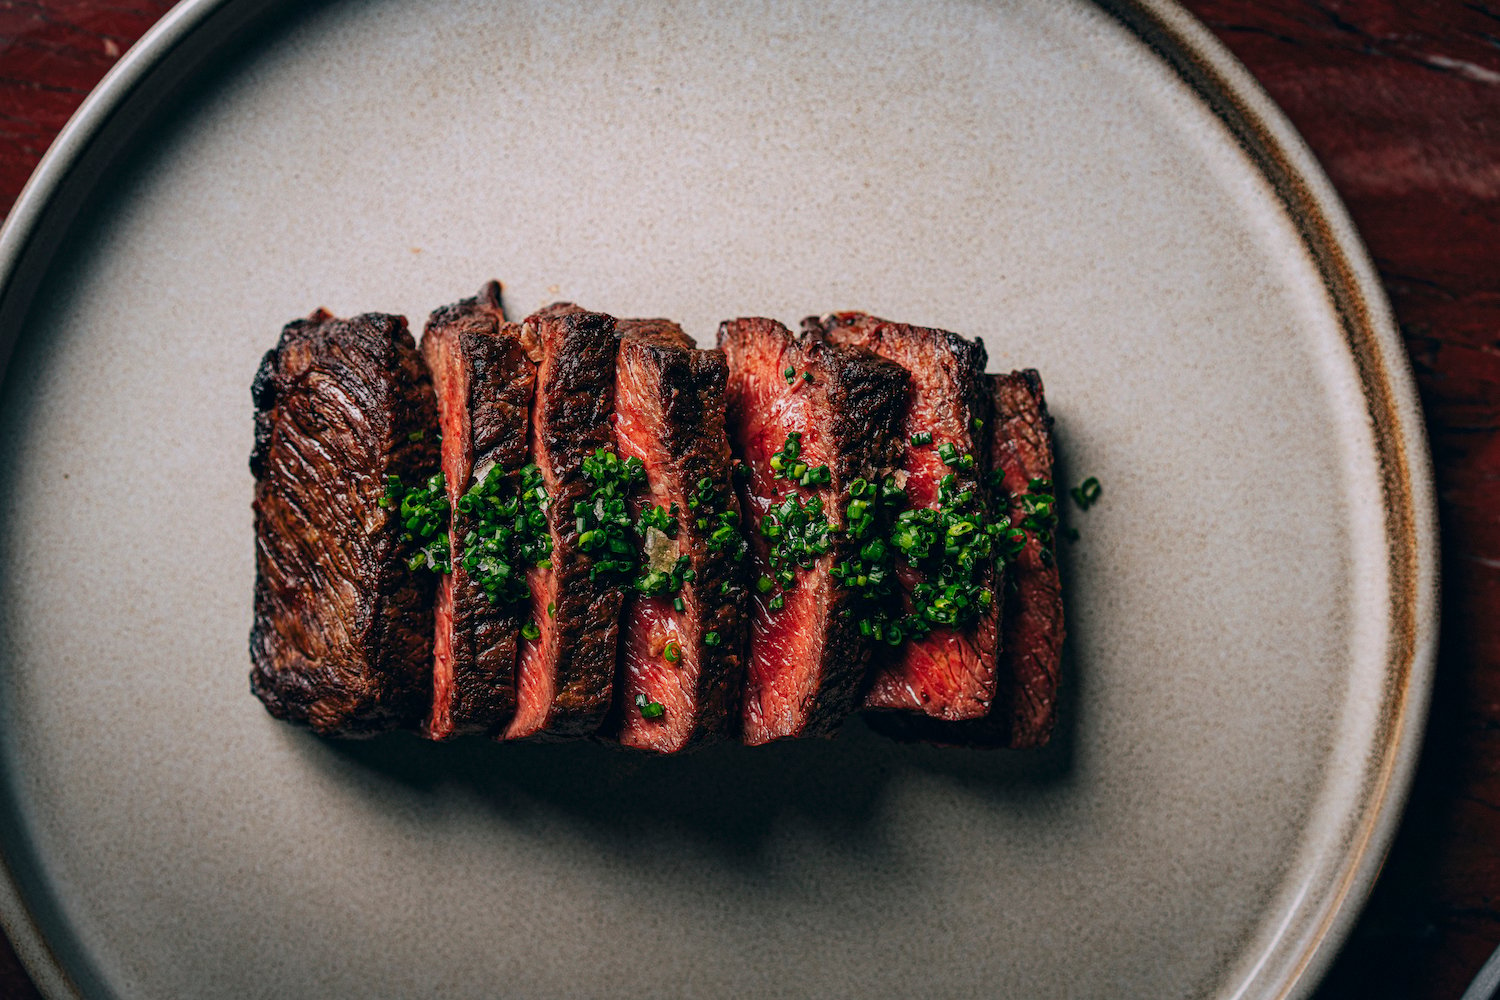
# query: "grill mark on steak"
[[1025, 709], [564, 677], [484, 385], [950, 672], [343, 629], [807, 662], [669, 413]]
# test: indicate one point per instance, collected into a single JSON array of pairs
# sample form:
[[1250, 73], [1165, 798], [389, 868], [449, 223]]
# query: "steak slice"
[[1025, 708], [343, 628], [676, 687], [1021, 450], [564, 675], [808, 660], [949, 673], [484, 385]]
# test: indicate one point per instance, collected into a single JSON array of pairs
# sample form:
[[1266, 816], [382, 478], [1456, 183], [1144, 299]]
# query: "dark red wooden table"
[[1401, 102]]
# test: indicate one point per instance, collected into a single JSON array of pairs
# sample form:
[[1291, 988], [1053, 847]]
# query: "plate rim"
[[1268, 139]]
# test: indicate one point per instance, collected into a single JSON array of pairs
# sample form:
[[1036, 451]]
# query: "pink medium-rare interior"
[[786, 646], [536, 661], [450, 380], [647, 624]]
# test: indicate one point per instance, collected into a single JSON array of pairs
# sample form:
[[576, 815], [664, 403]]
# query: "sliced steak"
[[342, 637], [808, 660], [484, 384], [1021, 450], [565, 674], [1025, 708], [680, 671], [948, 673]]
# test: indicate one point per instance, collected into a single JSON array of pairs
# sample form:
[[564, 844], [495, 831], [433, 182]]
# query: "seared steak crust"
[[949, 673], [343, 629], [484, 387], [669, 413], [1025, 708], [564, 677], [807, 663], [488, 302]]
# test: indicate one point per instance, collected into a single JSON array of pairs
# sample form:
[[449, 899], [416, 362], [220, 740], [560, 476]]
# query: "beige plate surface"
[[1100, 193]]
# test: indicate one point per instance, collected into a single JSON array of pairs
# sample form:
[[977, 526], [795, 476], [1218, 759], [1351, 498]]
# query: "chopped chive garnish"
[[530, 631], [505, 531], [711, 639], [423, 513], [807, 376], [1086, 494], [790, 374], [416, 436], [603, 521], [672, 652], [649, 709], [921, 438]]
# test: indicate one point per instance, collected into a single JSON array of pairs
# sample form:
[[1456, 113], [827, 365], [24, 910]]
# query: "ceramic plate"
[[1099, 192]]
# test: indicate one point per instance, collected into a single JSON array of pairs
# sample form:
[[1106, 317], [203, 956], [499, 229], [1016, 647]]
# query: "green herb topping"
[[649, 709], [952, 546], [424, 517], [711, 505], [797, 531], [603, 522], [605, 527], [672, 652], [870, 574], [953, 458], [660, 518], [1038, 510], [530, 631], [787, 464], [711, 639], [1086, 494], [507, 532], [656, 583]]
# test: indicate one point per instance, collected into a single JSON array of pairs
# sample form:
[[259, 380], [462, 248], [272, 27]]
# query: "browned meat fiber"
[[565, 675], [807, 661], [1025, 709], [681, 654], [484, 384], [342, 638], [950, 672]]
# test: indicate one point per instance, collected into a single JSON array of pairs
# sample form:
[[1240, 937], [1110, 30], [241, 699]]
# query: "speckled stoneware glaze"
[[1099, 192]]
